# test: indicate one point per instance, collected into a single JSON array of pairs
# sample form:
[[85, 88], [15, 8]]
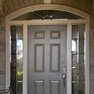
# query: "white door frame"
[[46, 22]]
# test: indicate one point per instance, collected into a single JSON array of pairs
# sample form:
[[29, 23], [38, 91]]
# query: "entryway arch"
[[22, 11], [47, 7]]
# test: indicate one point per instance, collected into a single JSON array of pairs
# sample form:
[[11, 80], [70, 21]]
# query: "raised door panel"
[[54, 57], [39, 57], [54, 87], [39, 87]]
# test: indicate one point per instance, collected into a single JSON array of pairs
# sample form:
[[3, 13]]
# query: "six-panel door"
[[47, 57]]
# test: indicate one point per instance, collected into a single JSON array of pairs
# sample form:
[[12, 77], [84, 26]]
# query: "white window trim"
[[45, 22]]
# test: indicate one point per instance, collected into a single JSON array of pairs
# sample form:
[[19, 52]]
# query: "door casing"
[[46, 22]]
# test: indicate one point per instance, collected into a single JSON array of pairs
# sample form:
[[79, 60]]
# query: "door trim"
[[69, 60], [45, 22]]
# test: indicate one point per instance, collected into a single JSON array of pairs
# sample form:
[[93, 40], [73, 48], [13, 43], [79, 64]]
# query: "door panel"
[[54, 57], [47, 56], [39, 58]]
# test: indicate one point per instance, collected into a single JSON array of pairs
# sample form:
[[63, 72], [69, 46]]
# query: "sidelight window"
[[16, 55], [78, 59]]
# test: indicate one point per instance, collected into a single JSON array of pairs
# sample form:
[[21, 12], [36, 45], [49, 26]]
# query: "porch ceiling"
[[13, 5]]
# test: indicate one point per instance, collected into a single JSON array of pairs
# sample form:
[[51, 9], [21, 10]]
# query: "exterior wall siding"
[[2, 54], [92, 53]]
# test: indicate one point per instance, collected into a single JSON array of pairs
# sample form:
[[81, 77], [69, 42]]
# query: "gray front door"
[[47, 59]]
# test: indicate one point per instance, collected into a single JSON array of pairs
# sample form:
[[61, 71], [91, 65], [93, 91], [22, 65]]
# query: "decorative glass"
[[48, 15], [75, 88], [75, 75], [78, 59], [16, 47]]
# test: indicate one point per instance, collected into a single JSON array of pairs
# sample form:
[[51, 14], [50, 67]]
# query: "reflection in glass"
[[19, 51], [16, 47], [78, 88], [19, 87], [75, 75], [81, 60], [82, 89], [75, 47], [74, 60], [13, 58], [81, 31], [75, 31], [19, 74], [75, 88], [81, 75], [78, 59], [81, 46]]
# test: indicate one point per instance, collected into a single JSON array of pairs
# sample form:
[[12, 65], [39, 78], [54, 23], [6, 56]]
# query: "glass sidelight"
[[78, 59], [16, 55]]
